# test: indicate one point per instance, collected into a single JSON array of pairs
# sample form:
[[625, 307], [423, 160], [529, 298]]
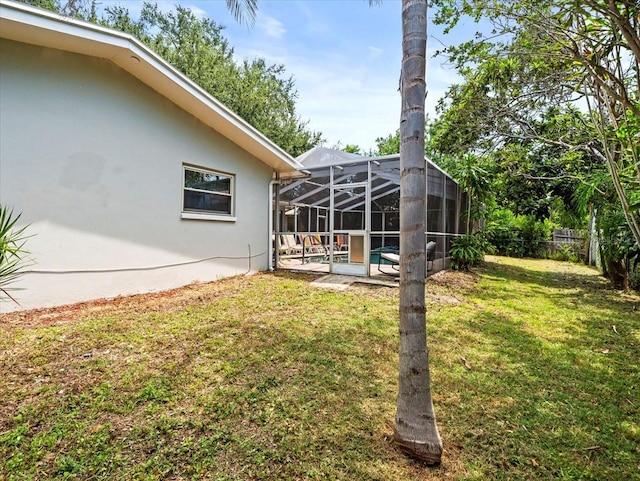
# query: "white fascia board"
[[27, 24]]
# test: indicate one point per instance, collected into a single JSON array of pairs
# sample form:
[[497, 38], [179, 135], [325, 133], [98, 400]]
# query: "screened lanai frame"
[[363, 193]]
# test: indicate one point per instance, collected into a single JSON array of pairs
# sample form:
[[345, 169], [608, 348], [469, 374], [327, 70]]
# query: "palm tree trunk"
[[415, 431]]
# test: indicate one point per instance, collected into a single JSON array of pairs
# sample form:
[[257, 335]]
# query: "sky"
[[344, 56]]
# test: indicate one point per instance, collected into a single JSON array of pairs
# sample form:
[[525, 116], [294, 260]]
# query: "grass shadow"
[[550, 393]]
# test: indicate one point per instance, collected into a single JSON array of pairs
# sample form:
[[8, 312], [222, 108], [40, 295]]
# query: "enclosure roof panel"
[[324, 157], [318, 159]]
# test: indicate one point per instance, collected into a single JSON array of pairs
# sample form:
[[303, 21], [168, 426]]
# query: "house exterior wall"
[[93, 159]]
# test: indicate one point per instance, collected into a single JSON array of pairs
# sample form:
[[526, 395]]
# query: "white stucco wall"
[[93, 159]]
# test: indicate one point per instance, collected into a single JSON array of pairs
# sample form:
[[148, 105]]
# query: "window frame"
[[203, 214]]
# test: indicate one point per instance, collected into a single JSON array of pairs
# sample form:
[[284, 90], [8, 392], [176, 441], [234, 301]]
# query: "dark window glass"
[[376, 221], [337, 220], [207, 192], [201, 201], [194, 179], [392, 221], [353, 220], [434, 213], [303, 219], [451, 216]]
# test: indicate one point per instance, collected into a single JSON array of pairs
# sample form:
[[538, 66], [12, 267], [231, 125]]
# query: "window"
[[207, 192]]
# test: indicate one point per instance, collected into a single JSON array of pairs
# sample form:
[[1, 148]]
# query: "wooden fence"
[[569, 241]]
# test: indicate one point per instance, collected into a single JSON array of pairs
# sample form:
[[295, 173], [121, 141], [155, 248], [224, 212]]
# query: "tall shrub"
[[618, 248], [533, 233], [467, 251], [501, 233], [517, 236]]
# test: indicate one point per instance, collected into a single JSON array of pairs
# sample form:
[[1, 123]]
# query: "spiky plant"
[[13, 255]]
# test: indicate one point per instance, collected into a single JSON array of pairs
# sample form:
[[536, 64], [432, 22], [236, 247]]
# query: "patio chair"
[[393, 259], [313, 244], [291, 247], [282, 249], [317, 240], [430, 251], [341, 242]]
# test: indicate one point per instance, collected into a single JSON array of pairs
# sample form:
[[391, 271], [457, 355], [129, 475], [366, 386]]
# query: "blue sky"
[[343, 54]]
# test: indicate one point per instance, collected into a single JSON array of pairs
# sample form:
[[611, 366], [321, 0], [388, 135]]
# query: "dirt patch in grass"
[[453, 281], [148, 302], [169, 300]]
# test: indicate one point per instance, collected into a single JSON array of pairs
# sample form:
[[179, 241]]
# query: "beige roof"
[[27, 24]]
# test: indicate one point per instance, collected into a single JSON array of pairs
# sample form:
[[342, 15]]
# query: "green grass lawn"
[[535, 371]]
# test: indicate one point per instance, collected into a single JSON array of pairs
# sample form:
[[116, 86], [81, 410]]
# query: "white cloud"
[[197, 11], [347, 80], [356, 116], [345, 102], [271, 27]]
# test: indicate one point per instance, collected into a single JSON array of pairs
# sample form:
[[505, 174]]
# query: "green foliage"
[[470, 172], [467, 251], [473, 178], [618, 248], [349, 148], [500, 229], [517, 235], [84, 9], [565, 252], [574, 51], [244, 11], [352, 149], [12, 251], [616, 240], [533, 233], [388, 145], [53, 5]]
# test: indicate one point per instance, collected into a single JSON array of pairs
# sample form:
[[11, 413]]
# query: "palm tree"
[[244, 11], [474, 179], [415, 431]]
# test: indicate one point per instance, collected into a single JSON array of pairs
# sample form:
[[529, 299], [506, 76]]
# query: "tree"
[[348, 148], [71, 8], [518, 84], [473, 178], [352, 149], [244, 11], [552, 53], [415, 430], [388, 145]]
